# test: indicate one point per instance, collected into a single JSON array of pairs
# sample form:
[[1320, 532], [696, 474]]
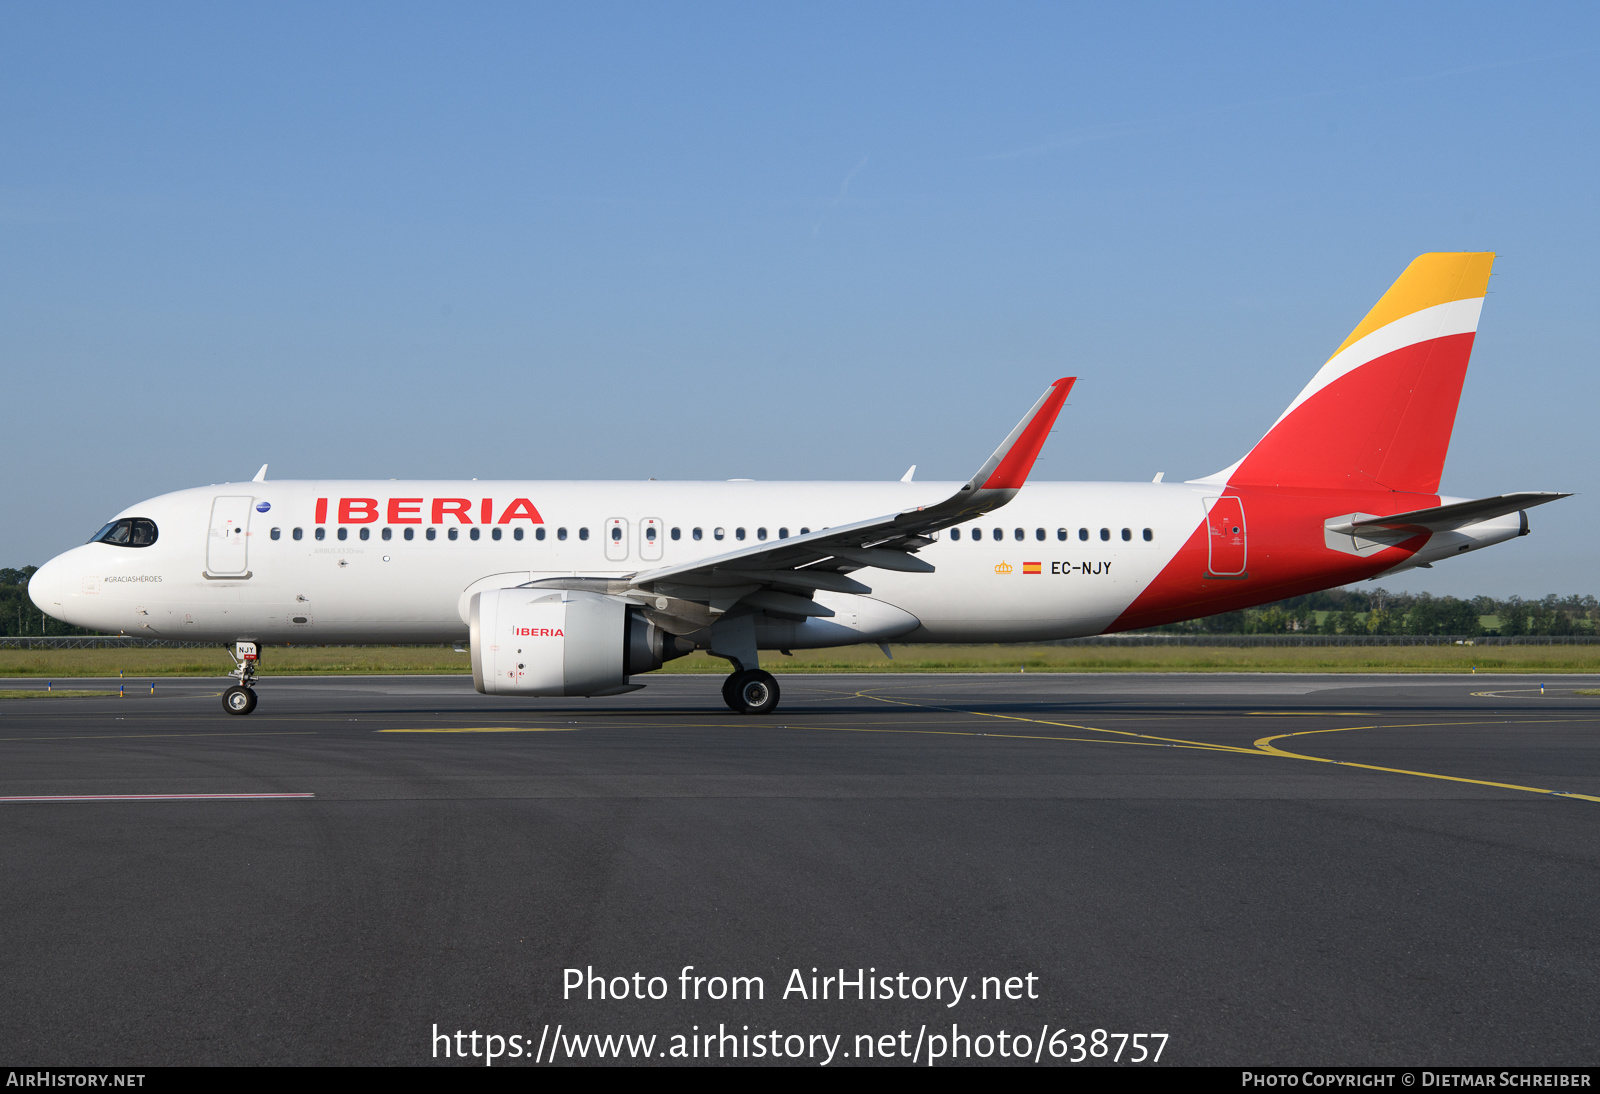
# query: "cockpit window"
[[129, 532]]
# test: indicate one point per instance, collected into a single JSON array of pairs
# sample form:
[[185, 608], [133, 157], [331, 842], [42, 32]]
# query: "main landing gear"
[[241, 697], [751, 691]]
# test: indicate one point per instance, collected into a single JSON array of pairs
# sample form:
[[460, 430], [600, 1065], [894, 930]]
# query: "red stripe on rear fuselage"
[[1288, 555]]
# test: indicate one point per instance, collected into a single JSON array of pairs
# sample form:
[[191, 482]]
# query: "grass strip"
[[402, 660], [41, 693]]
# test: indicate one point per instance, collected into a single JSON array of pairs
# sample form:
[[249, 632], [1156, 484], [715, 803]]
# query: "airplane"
[[575, 588]]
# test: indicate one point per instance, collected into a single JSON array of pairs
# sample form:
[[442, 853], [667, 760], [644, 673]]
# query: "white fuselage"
[[253, 568]]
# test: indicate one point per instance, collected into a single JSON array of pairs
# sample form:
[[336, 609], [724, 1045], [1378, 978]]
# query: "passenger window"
[[1020, 536], [1148, 535], [495, 535], [473, 534], [583, 533], [516, 533], [431, 534], [717, 533], [1105, 533], [697, 533], [298, 533], [1038, 534], [761, 533], [999, 534], [616, 534], [561, 533], [453, 533], [388, 533], [344, 533], [738, 533], [783, 533], [650, 534], [322, 533], [410, 533], [1127, 534], [677, 533], [1061, 534], [276, 533], [805, 531], [366, 533], [1083, 533], [955, 533], [538, 533]]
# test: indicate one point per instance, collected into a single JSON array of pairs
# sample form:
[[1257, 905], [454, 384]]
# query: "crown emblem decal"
[[1004, 568]]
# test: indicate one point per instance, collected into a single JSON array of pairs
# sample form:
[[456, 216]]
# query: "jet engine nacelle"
[[558, 642]]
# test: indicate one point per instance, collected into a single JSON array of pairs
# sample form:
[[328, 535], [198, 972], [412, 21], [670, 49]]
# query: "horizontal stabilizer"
[[1445, 518]]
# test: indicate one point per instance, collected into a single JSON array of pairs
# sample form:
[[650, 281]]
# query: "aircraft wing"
[[781, 576], [1446, 518]]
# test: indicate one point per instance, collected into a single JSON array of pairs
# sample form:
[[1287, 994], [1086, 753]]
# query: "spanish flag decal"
[[1031, 568]]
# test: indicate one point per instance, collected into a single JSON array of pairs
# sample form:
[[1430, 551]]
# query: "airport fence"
[[90, 642], [1257, 640], [115, 641], [128, 642]]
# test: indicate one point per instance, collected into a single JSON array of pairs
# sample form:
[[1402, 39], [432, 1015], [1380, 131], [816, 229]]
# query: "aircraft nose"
[[48, 586]]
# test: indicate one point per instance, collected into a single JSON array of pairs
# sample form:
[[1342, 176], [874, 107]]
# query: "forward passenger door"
[[227, 546]]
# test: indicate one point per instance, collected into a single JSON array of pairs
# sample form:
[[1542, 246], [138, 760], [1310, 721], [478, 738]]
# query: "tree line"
[[17, 613], [1335, 611], [1379, 611]]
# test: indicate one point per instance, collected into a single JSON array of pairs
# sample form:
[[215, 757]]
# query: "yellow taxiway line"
[[1262, 747]]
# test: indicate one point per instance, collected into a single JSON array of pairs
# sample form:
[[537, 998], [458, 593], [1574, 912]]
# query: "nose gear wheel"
[[239, 700], [241, 697]]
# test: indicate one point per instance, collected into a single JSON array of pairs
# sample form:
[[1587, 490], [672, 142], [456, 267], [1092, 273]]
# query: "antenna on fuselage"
[[261, 476]]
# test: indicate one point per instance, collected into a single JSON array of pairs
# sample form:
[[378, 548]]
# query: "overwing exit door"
[[1226, 536], [616, 539], [227, 545], [650, 532]]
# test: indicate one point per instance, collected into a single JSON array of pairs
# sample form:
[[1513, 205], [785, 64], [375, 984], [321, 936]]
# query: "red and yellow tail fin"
[[1379, 414]]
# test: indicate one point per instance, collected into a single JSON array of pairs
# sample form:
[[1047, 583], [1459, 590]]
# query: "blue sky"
[[821, 241]]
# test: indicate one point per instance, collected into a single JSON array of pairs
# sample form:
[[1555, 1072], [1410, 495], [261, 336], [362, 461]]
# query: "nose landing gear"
[[751, 691], [241, 697]]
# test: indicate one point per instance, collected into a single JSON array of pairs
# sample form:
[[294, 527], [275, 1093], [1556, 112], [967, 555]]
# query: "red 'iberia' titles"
[[414, 510]]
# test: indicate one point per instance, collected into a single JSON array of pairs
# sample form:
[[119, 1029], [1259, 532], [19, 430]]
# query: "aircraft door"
[[616, 539], [227, 544], [650, 533], [1225, 536]]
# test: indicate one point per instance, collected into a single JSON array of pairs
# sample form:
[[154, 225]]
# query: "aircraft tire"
[[727, 691], [239, 700], [754, 692]]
